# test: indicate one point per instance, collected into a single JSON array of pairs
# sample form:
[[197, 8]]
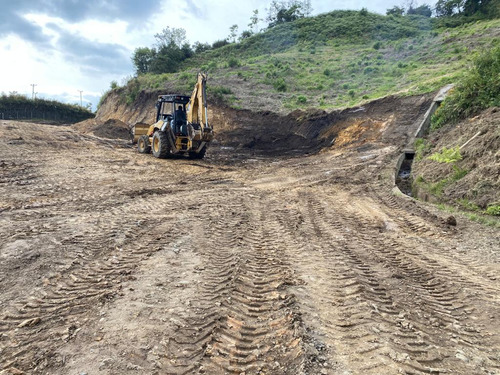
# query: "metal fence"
[[39, 115]]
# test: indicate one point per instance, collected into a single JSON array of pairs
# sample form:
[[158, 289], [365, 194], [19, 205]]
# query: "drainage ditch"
[[404, 179]]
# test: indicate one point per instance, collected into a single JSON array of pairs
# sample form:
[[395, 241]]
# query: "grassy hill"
[[334, 60]]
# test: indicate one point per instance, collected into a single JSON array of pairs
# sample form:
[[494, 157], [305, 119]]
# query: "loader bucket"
[[138, 130]]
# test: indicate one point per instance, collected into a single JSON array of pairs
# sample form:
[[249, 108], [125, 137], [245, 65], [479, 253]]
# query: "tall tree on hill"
[[142, 59], [422, 10], [168, 36], [281, 11], [395, 11], [254, 21], [233, 32]]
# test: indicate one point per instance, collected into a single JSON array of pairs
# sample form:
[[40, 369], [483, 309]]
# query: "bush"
[[220, 43], [447, 155], [377, 45], [233, 62], [280, 85], [479, 89], [302, 99]]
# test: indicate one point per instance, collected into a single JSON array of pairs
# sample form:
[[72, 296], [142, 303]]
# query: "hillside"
[[334, 60]]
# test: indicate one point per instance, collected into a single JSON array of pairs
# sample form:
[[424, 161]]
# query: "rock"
[[451, 220], [461, 356], [29, 322]]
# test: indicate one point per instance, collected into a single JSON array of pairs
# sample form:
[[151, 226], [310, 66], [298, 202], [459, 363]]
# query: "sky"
[[67, 46]]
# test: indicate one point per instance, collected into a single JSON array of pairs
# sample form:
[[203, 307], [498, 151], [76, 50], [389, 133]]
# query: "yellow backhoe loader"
[[181, 125]]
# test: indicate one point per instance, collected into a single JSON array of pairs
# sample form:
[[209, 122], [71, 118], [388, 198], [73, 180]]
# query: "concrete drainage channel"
[[403, 178]]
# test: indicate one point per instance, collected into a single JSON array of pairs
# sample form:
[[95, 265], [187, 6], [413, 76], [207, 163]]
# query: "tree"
[[219, 43], [423, 10], [254, 20], [201, 47], [446, 8], [395, 11], [246, 34], [281, 11], [143, 58], [233, 30], [168, 36]]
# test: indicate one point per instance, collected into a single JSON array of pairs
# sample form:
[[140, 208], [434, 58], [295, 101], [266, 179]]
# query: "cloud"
[[13, 22], [92, 56]]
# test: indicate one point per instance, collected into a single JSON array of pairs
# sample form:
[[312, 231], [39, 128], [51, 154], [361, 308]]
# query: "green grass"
[[493, 210], [336, 60], [477, 217]]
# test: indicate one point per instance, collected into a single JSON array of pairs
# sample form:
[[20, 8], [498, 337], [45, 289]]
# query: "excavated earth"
[[260, 259]]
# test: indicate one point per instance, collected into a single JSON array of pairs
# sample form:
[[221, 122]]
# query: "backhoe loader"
[[181, 126]]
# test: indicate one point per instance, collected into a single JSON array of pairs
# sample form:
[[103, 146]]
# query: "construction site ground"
[[247, 262]]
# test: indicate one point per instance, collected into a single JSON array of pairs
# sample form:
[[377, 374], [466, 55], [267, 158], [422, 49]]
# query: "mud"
[[248, 262]]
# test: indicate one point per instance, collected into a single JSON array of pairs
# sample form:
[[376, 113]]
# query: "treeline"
[[16, 106], [461, 9]]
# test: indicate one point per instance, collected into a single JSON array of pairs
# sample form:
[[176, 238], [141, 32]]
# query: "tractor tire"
[[199, 155], [160, 146], [143, 145]]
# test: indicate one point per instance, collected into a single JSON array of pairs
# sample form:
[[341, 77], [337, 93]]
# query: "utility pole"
[[35, 95], [81, 103], [33, 90]]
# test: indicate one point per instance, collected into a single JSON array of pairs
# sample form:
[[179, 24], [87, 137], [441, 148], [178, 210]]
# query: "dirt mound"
[[473, 181], [111, 129], [114, 129]]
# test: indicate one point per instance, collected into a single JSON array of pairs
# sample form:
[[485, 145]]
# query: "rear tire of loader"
[[143, 145], [160, 147]]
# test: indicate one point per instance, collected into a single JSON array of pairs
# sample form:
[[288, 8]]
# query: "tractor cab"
[[171, 109]]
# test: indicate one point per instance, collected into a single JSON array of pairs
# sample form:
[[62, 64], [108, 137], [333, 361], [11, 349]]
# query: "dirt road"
[[113, 262]]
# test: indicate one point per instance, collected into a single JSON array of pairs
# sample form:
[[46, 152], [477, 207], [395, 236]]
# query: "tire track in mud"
[[246, 320], [411, 216], [378, 309], [32, 329]]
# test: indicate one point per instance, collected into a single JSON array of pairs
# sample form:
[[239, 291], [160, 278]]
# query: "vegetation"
[[16, 106], [333, 60], [478, 89], [477, 217], [447, 155]]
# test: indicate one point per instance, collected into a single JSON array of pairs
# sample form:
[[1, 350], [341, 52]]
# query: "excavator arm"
[[197, 109]]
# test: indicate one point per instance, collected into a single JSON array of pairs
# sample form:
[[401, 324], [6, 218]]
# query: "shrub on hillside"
[[479, 89]]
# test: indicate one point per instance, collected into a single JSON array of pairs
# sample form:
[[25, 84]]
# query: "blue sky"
[[68, 45]]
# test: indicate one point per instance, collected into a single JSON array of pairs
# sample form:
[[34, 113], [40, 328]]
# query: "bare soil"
[[480, 160], [256, 260]]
